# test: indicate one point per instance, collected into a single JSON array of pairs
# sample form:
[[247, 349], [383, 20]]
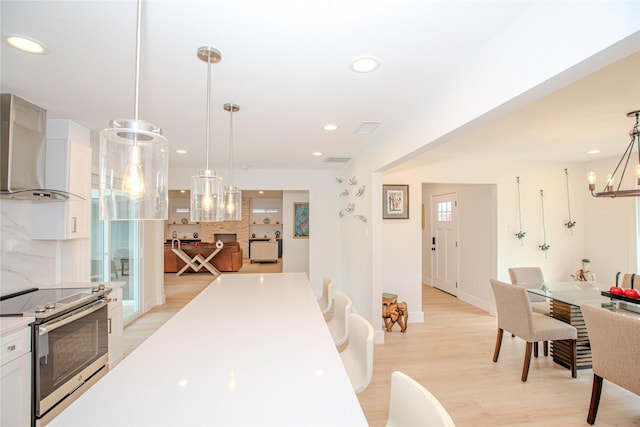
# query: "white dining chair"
[[326, 299], [357, 357], [411, 404], [339, 323], [615, 350], [531, 277], [515, 316], [625, 280]]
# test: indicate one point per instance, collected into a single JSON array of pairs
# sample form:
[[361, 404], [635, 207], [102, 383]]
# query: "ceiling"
[[286, 64]]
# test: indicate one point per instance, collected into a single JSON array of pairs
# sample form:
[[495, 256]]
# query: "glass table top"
[[578, 293]]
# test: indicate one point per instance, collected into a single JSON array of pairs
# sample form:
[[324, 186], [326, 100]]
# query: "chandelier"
[[207, 190], [608, 190], [134, 163]]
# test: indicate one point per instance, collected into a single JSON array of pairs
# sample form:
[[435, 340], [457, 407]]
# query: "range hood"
[[22, 151]]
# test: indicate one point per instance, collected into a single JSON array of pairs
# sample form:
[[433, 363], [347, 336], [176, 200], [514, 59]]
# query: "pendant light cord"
[[230, 146], [208, 104], [519, 206], [138, 42], [566, 172]]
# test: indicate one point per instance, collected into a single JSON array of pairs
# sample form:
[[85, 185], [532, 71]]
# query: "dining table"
[[249, 350], [565, 299]]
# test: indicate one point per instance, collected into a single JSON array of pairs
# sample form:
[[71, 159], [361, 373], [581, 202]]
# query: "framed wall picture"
[[300, 220], [395, 202]]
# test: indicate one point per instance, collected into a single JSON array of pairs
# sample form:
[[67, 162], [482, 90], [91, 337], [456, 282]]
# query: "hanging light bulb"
[[133, 180], [207, 190], [134, 163], [232, 195]]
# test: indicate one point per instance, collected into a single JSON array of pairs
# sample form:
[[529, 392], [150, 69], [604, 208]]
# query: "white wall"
[[610, 242], [322, 191], [297, 250], [567, 249], [550, 45], [477, 239], [152, 273]]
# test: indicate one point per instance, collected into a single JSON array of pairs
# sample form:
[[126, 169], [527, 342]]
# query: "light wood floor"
[[450, 354]]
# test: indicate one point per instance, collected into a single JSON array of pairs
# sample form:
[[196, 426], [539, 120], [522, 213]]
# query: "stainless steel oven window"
[[65, 351]]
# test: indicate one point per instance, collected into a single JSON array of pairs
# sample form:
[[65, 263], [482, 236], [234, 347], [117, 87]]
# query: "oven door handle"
[[70, 317]]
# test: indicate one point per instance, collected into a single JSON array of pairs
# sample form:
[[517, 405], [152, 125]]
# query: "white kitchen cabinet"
[[68, 168], [15, 379], [115, 327]]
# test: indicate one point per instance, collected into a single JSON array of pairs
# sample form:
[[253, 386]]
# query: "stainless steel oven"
[[69, 343], [67, 351]]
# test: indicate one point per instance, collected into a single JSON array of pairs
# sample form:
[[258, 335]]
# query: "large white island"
[[251, 349]]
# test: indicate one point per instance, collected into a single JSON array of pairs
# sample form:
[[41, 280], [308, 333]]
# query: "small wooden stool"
[[393, 311]]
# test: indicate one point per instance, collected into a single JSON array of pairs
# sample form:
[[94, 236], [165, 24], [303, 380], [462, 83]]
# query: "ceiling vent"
[[368, 127], [337, 159]]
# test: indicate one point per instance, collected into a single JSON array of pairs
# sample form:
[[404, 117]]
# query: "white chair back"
[[413, 405], [326, 299], [615, 346], [357, 357], [615, 349], [339, 323], [625, 280], [529, 277]]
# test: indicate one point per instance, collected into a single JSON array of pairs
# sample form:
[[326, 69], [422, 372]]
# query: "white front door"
[[444, 243]]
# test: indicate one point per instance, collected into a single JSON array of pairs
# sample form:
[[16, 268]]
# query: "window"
[[444, 211], [264, 210]]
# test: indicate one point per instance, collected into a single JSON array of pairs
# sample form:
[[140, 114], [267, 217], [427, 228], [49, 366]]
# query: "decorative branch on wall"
[[353, 181], [520, 234], [361, 218], [570, 224], [341, 213], [338, 180], [544, 246], [360, 191], [350, 208], [345, 193]]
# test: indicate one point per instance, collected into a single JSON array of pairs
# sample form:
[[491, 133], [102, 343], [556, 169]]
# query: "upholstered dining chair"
[[615, 352], [531, 277], [326, 299], [411, 404], [357, 357], [625, 280], [515, 316], [339, 323]]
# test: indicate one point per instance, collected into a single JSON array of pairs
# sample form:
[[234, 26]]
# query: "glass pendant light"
[[207, 189], [232, 195], [134, 163]]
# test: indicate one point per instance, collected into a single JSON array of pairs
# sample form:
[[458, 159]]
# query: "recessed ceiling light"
[[330, 127], [25, 44], [365, 64], [593, 151], [181, 151], [317, 153]]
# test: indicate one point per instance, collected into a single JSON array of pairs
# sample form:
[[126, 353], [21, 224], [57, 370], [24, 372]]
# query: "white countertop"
[[9, 325], [251, 349]]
